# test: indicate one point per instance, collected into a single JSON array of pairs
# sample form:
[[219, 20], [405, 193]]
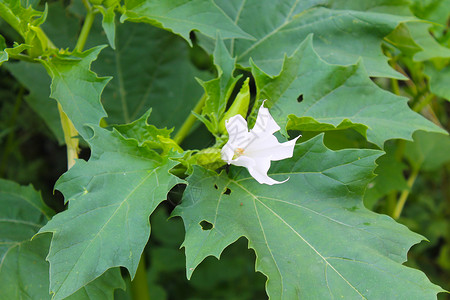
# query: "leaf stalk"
[[404, 195], [189, 122]]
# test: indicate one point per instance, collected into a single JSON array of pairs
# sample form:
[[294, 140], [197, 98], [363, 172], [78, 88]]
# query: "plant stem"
[[70, 134], [421, 104], [85, 30], [404, 195], [139, 286], [10, 138], [395, 87], [187, 125]]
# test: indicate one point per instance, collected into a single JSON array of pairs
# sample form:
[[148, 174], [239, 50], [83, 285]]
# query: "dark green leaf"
[[151, 69], [429, 151], [183, 16], [318, 96], [312, 235], [389, 178], [24, 273], [340, 36], [34, 78]]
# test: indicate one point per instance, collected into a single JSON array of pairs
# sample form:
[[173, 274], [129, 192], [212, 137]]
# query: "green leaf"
[[312, 235], [429, 151], [389, 178], [23, 269], [414, 39], [147, 65], [317, 96], [6, 52], [439, 79], [183, 16], [114, 192], [432, 10], [22, 213], [395, 7], [61, 26], [35, 79], [340, 36], [109, 24], [77, 88], [219, 90], [147, 135], [18, 17]]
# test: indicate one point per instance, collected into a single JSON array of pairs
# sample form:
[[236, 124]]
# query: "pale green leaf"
[[340, 36], [35, 79], [77, 88], [312, 235], [150, 69], [114, 192], [183, 16], [429, 151], [317, 96]]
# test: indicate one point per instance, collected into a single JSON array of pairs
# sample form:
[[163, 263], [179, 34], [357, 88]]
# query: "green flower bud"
[[239, 106]]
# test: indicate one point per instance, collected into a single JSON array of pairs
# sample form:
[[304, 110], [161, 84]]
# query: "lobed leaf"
[[340, 36], [183, 16], [114, 192], [312, 235], [77, 88], [310, 94]]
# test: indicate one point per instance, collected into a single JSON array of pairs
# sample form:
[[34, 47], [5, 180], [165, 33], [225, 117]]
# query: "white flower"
[[257, 148]]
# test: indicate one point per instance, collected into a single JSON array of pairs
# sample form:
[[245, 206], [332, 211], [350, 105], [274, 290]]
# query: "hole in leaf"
[[227, 192], [216, 187], [206, 225], [300, 98]]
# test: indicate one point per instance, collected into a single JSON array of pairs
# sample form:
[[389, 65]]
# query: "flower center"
[[238, 152]]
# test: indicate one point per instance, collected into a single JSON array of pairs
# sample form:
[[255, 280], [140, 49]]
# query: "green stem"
[[10, 139], [139, 286], [395, 87], [85, 31], [404, 195], [421, 104], [187, 125]]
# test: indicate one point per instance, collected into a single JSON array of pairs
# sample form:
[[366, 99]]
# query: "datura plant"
[[224, 149]]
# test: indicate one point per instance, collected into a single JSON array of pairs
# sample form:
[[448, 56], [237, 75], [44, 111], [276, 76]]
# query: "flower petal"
[[264, 122], [285, 150], [259, 170]]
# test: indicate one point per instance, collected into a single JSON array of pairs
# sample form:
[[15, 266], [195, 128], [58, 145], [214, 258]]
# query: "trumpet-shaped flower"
[[255, 149]]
